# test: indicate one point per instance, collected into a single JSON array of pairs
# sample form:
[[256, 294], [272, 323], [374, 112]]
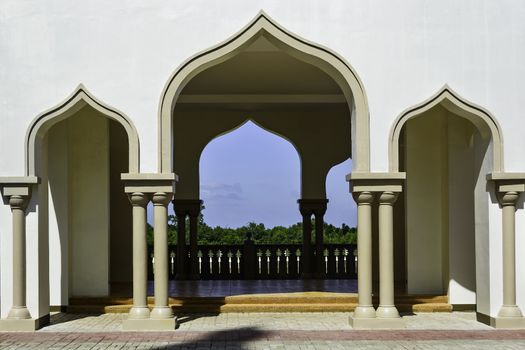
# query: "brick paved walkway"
[[266, 331]]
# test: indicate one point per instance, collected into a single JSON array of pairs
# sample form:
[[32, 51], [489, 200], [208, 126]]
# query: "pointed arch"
[[254, 122], [76, 101], [262, 25], [446, 97]]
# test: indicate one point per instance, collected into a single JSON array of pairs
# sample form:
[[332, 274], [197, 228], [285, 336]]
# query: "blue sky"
[[250, 175]]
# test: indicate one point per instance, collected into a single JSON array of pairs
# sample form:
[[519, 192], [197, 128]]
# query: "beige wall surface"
[[78, 168], [426, 219], [89, 205], [446, 205]]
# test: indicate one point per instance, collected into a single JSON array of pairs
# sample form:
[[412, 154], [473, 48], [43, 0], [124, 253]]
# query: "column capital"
[[388, 197], [508, 198], [161, 198], [309, 206], [138, 199], [192, 207], [18, 202], [364, 198], [16, 191]]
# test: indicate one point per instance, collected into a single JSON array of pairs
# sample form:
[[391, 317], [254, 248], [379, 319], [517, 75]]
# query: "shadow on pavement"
[[235, 338]]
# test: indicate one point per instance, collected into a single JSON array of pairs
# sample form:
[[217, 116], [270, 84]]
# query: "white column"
[[364, 201], [140, 309], [19, 310], [386, 307], [160, 211], [508, 204]]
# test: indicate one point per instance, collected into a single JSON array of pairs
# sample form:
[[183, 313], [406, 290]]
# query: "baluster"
[[287, 256], [278, 254], [325, 254], [298, 255], [219, 256], [172, 261], [336, 254], [238, 255], [210, 254], [230, 255], [153, 262], [199, 255], [355, 261], [345, 254], [259, 258], [268, 254]]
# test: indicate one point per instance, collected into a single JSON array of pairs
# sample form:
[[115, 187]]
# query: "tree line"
[[258, 233]]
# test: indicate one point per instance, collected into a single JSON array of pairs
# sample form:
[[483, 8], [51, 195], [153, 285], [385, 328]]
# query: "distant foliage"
[[259, 233]]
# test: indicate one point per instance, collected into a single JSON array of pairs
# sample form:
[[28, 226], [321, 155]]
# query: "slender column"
[[181, 243], [386, 307], [194, 221], [364, 201], [19, 310], [140, 310], [160, 212], [307, 244], [319, 244], [508, 204]]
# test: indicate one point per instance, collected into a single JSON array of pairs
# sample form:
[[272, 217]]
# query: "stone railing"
[[262, 261]]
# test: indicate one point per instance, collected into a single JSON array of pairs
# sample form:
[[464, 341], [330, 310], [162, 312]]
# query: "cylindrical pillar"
[[140, 310], [364, 201], [319, 244], [160, 212], [19, 310], [181, 244], [386, 307], [194, 262], [306, 257], [508, 204]]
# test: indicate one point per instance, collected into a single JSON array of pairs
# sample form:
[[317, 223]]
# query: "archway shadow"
[[235, 338]]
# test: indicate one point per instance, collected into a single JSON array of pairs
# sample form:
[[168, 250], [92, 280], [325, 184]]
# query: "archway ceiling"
[[262, 73]]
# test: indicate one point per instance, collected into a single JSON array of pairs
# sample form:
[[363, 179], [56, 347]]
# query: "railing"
[[262, 261]]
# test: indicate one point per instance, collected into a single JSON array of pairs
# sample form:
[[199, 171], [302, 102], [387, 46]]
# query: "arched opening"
[[446, 146], [250, 175], [288, 86], [78, 150]]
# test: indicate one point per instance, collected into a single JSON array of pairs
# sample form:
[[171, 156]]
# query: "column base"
[[510, 311], [377, 323], [389, 311], [150, 324], [17, 325], [501, 322], [161, 313], [139, 313]]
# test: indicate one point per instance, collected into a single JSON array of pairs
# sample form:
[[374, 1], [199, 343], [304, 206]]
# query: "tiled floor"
[[457, 330]]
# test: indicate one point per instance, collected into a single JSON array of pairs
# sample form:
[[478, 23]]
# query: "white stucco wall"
[[403, 51]]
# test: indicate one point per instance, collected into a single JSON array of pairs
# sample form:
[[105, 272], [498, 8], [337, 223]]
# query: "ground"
[[457, 330]]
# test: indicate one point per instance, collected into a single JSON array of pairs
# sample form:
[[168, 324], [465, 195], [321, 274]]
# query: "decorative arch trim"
[[331, 63], [446, 97], [80, 98]]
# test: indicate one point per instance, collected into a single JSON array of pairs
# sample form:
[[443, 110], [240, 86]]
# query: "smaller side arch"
[[485, 122], [72, 104]]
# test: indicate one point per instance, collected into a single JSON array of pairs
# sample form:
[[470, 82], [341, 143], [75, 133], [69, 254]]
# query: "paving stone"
[[432, 331]]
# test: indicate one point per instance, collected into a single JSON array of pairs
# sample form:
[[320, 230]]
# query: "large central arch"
[[330, 63]]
